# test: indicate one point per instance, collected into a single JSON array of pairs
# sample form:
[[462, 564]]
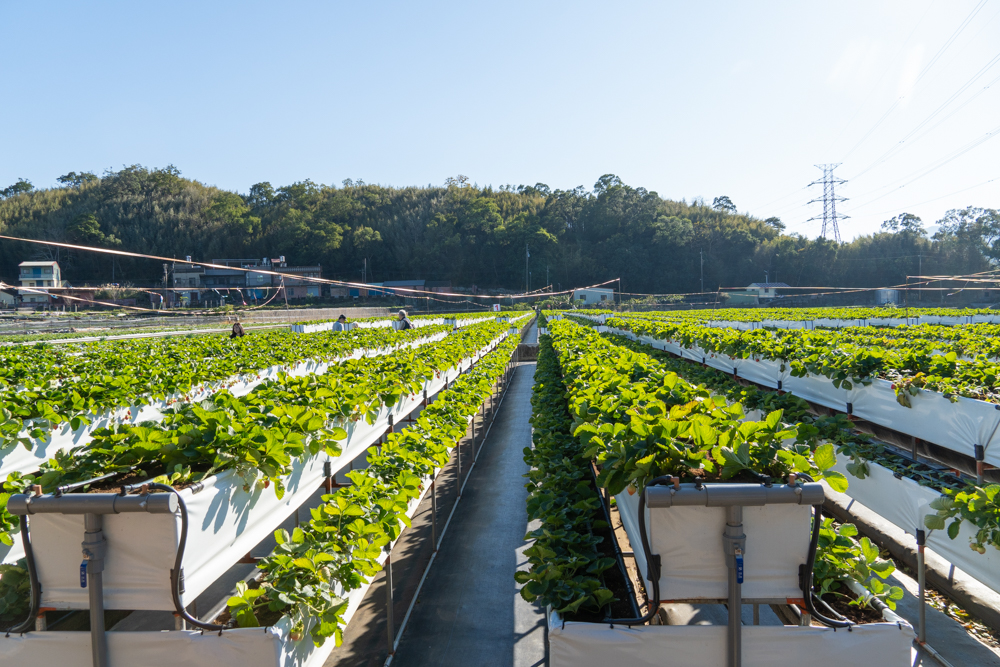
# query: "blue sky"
[[687, 99]]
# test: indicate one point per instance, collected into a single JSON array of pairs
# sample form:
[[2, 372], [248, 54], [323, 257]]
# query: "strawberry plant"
[[312, 570]]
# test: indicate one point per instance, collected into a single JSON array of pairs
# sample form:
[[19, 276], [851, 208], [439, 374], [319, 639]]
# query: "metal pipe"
[[434, 515], [92, 575], [734, 544], [388, 604], [921, 586]]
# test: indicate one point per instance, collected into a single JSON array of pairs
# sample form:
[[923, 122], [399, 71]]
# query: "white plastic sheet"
[[574, 644], [246, 648], [957, 426], [18, 458], [225, 522], [689, 542], [904, 503]]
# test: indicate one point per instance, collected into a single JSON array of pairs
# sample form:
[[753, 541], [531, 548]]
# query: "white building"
[[766, 290], [38, 275], [595, 296]]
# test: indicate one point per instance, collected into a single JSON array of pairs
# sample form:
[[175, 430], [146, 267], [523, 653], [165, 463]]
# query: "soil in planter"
[[855, 613]]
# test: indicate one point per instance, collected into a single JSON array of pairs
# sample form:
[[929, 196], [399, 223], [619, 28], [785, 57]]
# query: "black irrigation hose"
[[806, 575], [175, 573], [36, 588], [619, 558], [652, 564]]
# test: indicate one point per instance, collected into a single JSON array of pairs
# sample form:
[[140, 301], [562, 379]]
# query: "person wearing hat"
[[406, 323], [340, 324]]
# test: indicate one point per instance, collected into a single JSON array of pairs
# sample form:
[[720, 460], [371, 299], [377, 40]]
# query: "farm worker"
[[340, 324], [237, 331], [405, 320]]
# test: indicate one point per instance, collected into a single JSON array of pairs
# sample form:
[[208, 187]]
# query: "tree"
[[73, 179], [85, 229], [230, 209], [261, 195], [606, 182], [23, 185], [905, 223], [776, 223], [724, 204]]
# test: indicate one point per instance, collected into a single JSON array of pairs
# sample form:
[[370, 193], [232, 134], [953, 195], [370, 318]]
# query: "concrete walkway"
[[469, 611]]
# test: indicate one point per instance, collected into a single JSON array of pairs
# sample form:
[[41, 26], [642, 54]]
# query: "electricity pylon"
[[829, 199]]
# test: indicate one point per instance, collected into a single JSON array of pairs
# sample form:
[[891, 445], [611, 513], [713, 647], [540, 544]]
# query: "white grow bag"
[[224, 523], [246, 647], [22, 460], [694, 567], [956, 426], [904, 503], [573, 644], [19, 459]]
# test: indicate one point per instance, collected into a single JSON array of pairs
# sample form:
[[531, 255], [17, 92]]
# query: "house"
[[291, 279], [8, 299], [35, 275], [187, 279], [594, 296], [766, 290]]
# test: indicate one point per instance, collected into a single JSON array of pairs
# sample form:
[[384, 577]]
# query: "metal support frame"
[[93, 507], [734, 542], [733, 497], [389, 625], [921, 588]]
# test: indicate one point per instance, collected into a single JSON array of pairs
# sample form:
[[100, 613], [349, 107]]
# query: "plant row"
[[566, 565], [847, 359], [812, 314], [383, 318], [638, 420], [962, 500], [312, 570], [44, 386], [259, 435]]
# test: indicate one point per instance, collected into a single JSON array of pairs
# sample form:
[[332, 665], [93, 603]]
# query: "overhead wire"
[[920, 76], [879, 81], [902, 143]]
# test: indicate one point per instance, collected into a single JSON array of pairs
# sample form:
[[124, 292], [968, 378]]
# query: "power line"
[[928, 201], [920, 173], [884, 72], [923, 73], [900, 144]]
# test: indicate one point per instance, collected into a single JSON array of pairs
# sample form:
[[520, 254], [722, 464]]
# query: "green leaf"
[[824, 457]]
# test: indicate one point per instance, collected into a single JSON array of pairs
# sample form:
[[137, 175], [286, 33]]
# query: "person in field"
[[237, 331], [406, 323], [340, 324]]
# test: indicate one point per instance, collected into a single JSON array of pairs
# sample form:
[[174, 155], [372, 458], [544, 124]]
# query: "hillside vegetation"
[[467, 234]]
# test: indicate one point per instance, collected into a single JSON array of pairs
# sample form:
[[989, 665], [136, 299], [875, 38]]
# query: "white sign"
[[496, 307]]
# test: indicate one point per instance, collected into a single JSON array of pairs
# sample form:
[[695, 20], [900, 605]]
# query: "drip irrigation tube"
[[176, 572], [36, 589], [806, 575], [652, 562]]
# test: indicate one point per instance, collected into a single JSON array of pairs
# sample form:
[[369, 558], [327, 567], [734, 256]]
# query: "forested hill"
[[466, 234]]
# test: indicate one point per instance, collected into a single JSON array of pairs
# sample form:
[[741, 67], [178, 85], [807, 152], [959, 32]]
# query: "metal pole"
[[434, 515], [734, 542], [388, 604], [921, 573], [91, 574], [458, 450]]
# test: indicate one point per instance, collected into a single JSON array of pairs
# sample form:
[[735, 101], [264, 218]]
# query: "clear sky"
[[687, 99]]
